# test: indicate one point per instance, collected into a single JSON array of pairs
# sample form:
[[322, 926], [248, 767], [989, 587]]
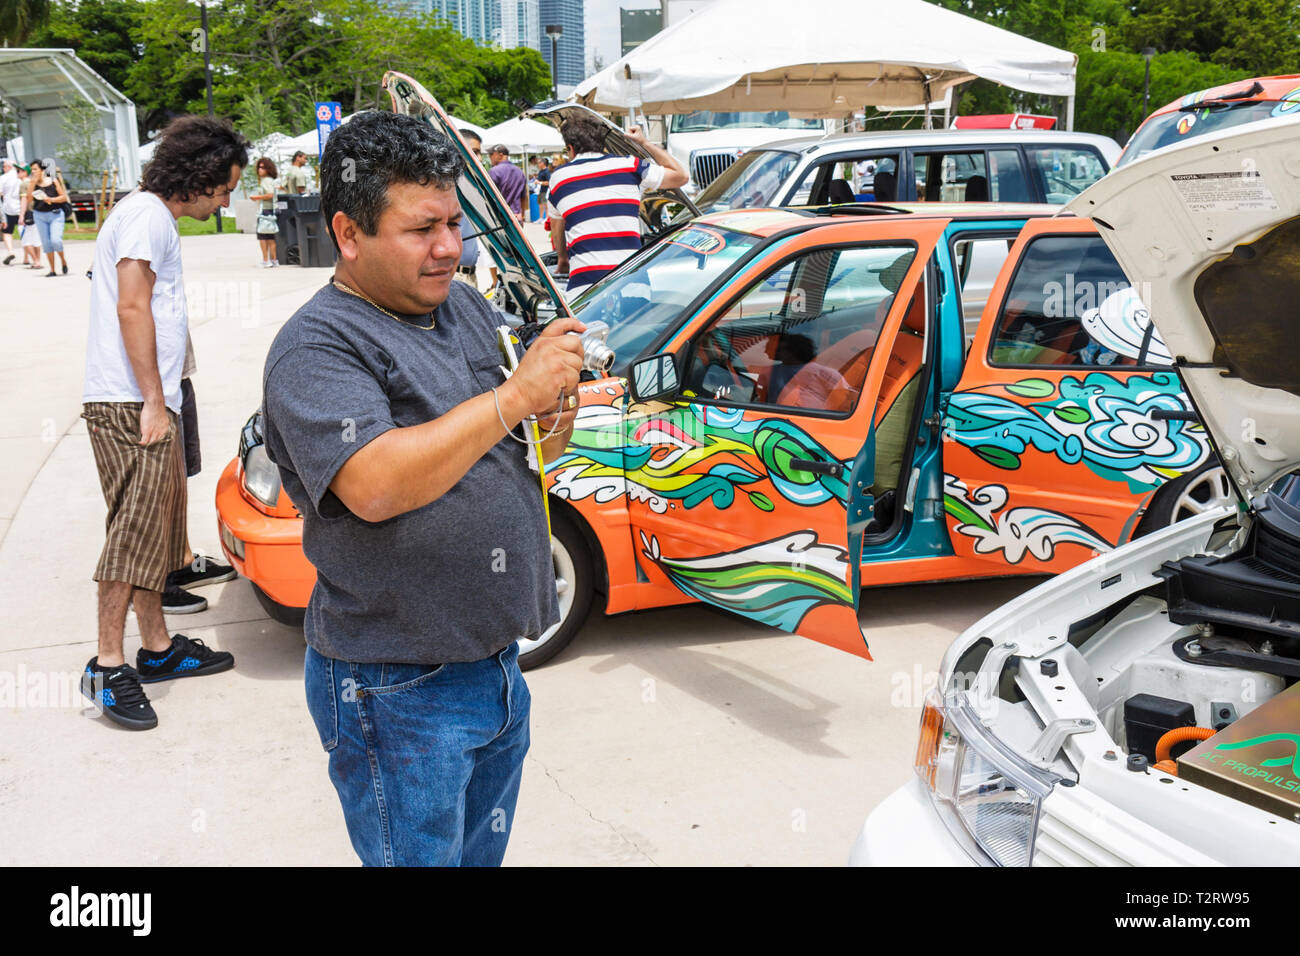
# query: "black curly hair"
[[373, 150], [194, 157], [584, 134]]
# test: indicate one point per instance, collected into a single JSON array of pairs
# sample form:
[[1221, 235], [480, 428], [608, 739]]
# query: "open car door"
[[751, 478]]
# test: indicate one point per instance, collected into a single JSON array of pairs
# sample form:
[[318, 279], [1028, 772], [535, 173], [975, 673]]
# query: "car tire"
[[574, 588], [1194, 493]]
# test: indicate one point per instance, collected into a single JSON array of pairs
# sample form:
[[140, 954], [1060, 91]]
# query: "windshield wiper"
[[1226, 101]]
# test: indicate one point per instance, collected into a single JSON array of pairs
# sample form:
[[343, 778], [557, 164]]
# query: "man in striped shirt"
[[595, 199]]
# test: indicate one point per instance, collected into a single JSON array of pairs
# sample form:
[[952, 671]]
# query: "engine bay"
[[1199, 677]]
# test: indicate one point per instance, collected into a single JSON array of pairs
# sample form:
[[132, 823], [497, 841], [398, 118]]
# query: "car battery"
[[1255, 759]]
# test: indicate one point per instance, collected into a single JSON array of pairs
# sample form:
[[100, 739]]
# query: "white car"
[[1048, 739]]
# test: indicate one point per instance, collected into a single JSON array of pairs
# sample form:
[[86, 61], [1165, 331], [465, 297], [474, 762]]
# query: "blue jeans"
[[50, 227], [426, 760]]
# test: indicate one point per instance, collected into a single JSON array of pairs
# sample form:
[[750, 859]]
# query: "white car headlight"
[[261, 476], [987, 795]]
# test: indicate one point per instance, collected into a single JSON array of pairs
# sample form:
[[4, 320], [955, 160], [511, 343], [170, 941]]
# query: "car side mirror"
[[654, 378]]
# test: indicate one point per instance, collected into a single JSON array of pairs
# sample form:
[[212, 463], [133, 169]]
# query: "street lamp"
[[1147, 53], [207, 72], [555, 31]]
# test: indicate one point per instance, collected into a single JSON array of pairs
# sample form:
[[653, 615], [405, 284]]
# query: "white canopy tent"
[[822, 58], [524, 135], [37, 83]]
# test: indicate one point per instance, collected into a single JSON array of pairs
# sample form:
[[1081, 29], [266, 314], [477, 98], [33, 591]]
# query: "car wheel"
[[574, 584], [1206, 488]]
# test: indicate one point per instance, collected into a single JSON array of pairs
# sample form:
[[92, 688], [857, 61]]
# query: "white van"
[[1051, 166]]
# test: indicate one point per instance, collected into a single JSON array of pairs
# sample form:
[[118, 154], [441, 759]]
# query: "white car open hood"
[[1209, 233]]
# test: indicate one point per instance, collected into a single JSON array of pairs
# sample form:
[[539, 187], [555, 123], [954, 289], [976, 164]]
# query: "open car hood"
[[525, 278], [657, 207], [1209, 232]]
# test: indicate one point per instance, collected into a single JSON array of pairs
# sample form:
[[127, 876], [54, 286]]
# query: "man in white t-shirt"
[[135, 354], [10, 207]]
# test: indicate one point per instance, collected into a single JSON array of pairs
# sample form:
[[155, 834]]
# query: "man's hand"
[[154, 423], [549, 367], [636, 134]]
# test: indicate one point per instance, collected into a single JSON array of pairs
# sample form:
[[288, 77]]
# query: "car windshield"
[[752, 180], [639, 299], [709, 119], [1181, 125]]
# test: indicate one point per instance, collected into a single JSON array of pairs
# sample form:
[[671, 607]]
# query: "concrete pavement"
[[680, 736]]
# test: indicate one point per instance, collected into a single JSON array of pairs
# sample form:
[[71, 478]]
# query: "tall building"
[[519, 24], [572, 49], [503, 23]]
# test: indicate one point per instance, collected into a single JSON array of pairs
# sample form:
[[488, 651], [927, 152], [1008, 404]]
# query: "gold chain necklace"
[[361, 295]]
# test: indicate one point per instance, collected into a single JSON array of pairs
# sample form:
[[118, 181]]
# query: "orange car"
[[795, 389], [1212, 110]]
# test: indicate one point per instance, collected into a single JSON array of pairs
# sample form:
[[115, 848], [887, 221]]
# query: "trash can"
[[315, 248], [534, 210], [286, 240]]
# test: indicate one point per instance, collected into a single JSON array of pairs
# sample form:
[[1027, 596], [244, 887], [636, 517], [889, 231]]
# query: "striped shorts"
[[144, 488]]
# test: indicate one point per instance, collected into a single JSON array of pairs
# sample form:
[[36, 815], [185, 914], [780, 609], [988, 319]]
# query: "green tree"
[[1259, 36], [103, 32], [474, 106], [20, 18], [83, 151]]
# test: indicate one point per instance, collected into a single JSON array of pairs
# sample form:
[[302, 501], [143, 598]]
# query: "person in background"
[[543, 184], [597, 198], [10, 207], [266, 174], [296, 177], [31, 237], [467, 268], [48, 197], [510, 179]]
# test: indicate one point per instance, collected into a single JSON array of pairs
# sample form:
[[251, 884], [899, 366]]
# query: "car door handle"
[[1172, 415], [832, 468]]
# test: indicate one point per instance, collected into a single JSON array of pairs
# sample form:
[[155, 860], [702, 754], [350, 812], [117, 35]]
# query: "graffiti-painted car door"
[[1053, 438], [739, 494]]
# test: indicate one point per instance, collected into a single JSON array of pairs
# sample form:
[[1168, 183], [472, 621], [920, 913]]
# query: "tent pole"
[[1069, 113]]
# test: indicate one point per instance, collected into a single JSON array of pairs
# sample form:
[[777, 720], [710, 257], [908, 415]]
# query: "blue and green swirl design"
[[1100, 421]]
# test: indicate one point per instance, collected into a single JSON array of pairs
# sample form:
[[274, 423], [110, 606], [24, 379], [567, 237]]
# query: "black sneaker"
[[187, 658], [202, 570], [176, 601], [117, 694]]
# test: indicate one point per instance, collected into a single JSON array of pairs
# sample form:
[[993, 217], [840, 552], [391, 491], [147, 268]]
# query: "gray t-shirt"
[[456, 580]]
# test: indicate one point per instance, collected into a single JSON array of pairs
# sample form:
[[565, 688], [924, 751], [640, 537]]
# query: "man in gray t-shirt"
[[388, 416]]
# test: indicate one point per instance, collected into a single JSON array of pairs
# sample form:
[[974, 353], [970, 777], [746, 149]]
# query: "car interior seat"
[[840, 191], [884, 187], [977, 189]]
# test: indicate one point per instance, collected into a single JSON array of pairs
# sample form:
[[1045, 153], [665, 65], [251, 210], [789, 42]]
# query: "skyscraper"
[[503, 23], [572, 47]]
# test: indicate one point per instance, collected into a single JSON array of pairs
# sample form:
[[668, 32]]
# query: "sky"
[[602, 26]]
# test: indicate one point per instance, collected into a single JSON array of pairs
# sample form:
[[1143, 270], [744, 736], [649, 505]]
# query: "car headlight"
[[987, 795], [261, 477]]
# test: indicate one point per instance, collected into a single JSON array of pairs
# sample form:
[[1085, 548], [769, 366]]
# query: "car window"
[[1064, 172], [1070, 304], [801, 337], [978, 262], [859, 180], [951, 176], [1007, 182], [648, 292], [753, 180]]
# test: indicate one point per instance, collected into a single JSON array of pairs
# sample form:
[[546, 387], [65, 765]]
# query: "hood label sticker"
[[1241, 190], [698, 239]]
